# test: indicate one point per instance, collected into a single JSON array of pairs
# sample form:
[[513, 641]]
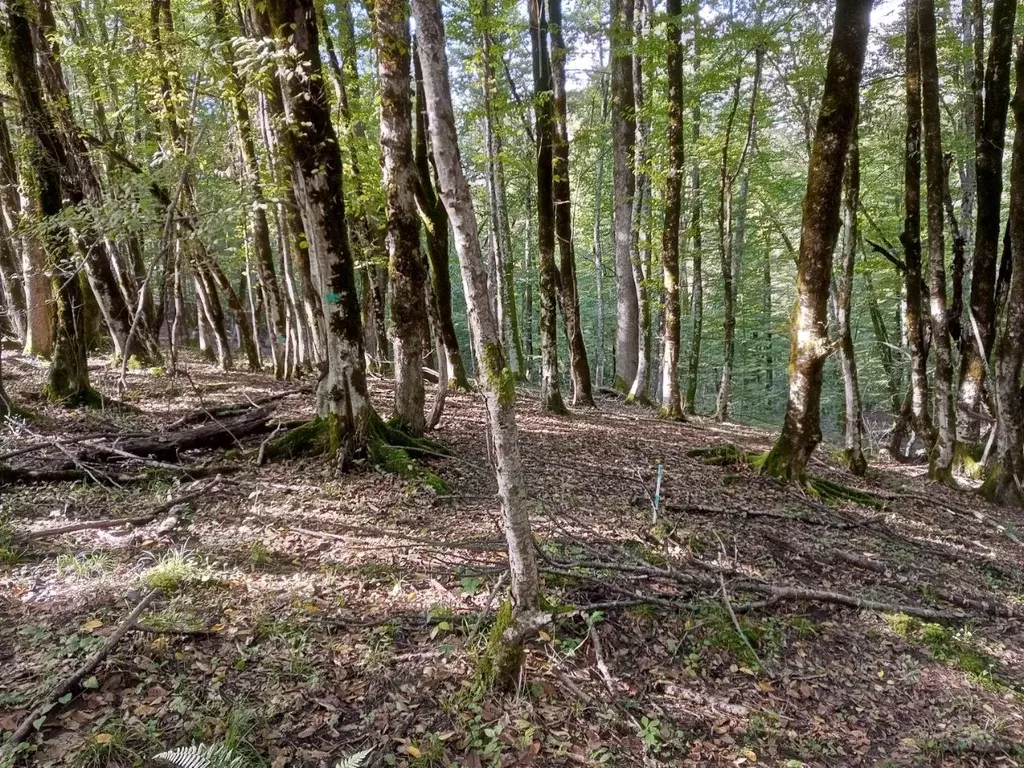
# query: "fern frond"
[[200, 756], [355, 760]]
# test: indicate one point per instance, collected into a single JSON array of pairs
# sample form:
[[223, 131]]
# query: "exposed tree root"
[[724, 455], [828, 490]]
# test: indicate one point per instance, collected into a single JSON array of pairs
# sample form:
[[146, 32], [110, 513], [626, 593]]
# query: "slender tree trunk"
[[730, 273], [990, 119], [528, 292], [497, 379], [263, 256], [627, 331], [854, 423], [641, 380], [1006, 473], [550, 390], [406, 263], [697, 292], [579, 367], [598, 215], [69, 373], [911, 235], [801, 431], [941, 458], [883, 343], [671, 406], [312, 146]]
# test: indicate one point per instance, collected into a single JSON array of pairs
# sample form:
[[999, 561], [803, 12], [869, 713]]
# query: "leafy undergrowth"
[[306, 615]]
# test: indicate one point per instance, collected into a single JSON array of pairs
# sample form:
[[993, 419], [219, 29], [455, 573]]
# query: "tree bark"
[[579, 367], [1006, 473], [941, 457], [497, 379], [263, 256], [68, 381], [990, 139], [911, 235], [312, 145], [671, 406], [640, 385], [627, 331], [801, 430], [697, 292], [405, 261], [544, 118], [854, 425]]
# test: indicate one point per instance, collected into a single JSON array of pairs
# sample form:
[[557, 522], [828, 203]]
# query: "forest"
[[497, 383]]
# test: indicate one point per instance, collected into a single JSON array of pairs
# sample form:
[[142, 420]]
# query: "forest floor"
[[304, 615]]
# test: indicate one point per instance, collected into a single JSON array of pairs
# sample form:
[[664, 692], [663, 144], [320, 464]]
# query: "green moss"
[[954, 649], [725, 455], [499, 376], [621, 384], [498, 659], [88, 398]]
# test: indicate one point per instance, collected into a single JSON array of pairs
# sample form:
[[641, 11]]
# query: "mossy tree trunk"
[[312, 148], [942, 453], [853, 438], [435, 226], [579, 366], [406, 264], [1006, 474], [69, 373], [801, 430], [671, 407], [990, 140], [627, 329], [544, 116], [497, 379]]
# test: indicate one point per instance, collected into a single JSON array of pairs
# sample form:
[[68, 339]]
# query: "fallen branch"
[[232, 409], [69, 684], [782, 594], [87, 525]]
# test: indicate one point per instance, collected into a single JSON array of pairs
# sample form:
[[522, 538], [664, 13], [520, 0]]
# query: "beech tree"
[[801, 430]]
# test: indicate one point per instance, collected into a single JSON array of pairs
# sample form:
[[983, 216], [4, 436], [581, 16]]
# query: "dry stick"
[[116, 522], [37, 446], [602, 667], [482, 545], [736, 622], [261, 457], [73, 459], [487, 608], [72, 682]]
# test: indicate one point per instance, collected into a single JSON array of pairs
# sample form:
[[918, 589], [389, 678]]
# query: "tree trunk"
[[627, 331], [312, 145], [697, 292], [69, 374], [598, 214], [263, 256], [406, 264], [941, 458], [641, 380], [1006, 473], [582, 389], [671, 407], [496, 379], [550, 391], [730, 275], [801, 430], [911, 235], [854, 424], [990, 119]]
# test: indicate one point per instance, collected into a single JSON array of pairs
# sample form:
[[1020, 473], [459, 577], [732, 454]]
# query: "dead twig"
[[51, 700]]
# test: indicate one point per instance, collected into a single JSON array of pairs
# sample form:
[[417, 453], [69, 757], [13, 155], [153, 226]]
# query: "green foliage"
[[953, 648]]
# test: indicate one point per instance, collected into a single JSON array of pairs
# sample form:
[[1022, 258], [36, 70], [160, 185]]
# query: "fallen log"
[[168, 446], [231, 410], [24, 476]]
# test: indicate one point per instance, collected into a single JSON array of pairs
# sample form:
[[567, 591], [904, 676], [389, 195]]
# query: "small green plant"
[[650, 732], [158, 371], [172, 570], [953, 648], [88, 565], [259, 555], [10, 553]]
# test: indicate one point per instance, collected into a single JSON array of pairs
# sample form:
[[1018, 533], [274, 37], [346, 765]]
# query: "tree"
[[544, 118], [990, 122], [68, 381], [941, 457], [342, 400], [801, 430], [582, 389], [671, 406], [697, 203], [1005, 475], [497, 379], [627, 329], [406, 264]]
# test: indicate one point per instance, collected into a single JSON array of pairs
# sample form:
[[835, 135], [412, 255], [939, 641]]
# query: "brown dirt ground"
[[297, 665]]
